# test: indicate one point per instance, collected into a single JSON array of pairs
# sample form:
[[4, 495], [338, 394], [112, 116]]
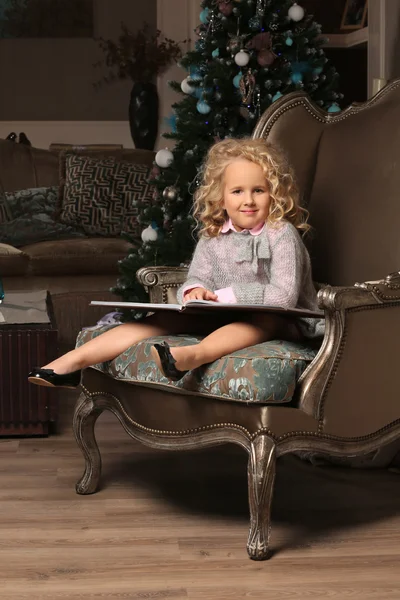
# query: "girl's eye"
[[236, 191], [259, 191]]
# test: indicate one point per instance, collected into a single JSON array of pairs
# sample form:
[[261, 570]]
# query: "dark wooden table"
[[26, 409]]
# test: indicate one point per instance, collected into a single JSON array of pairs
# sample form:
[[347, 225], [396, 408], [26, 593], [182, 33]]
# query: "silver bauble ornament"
[[170, 193]]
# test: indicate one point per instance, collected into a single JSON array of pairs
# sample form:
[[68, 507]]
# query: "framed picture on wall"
[[354, 14], [46, 18]]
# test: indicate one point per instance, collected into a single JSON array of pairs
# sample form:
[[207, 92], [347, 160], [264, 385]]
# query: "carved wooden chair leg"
[[85, 416], [261, 475]]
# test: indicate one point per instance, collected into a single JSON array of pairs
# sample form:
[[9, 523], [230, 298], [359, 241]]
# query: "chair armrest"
[[161, 282], [351, 387], [368, 293]]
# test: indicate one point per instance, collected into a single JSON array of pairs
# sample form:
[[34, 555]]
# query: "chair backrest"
[[347, 167]]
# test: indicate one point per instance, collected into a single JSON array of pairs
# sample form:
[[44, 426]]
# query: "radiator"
[[25, 409]]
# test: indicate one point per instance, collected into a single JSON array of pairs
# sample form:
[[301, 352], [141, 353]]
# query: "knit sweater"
[[271, 268]]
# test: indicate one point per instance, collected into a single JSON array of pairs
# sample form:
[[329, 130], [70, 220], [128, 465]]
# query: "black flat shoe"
[[49, 378], [168, 362]]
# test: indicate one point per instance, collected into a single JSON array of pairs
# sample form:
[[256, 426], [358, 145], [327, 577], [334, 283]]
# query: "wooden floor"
[[174, 526]]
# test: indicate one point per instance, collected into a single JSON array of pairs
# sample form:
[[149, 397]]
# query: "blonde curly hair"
[[208, 198]]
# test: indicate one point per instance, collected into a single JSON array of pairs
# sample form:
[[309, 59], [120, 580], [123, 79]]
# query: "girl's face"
[[246, 194]]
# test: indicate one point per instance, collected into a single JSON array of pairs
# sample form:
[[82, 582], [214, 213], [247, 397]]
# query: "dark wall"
[[351, 63], [327, 12], [352, 66], [52, 79]]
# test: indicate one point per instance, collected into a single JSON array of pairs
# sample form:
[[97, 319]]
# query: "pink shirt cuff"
[[189, 288], [226, 295]]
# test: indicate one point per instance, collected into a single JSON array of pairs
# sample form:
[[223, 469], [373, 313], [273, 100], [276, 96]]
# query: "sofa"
[[74, 271], [338, 401]]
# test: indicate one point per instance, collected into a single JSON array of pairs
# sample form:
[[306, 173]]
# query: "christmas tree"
[[248, 54]]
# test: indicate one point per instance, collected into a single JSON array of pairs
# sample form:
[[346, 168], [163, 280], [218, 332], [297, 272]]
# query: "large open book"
[[199, 306]]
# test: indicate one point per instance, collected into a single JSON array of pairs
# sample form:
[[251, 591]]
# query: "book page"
[[196, 306], [210, 304], [137, 305]]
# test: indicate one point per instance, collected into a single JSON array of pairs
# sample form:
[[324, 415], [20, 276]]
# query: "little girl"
[[249, 251]]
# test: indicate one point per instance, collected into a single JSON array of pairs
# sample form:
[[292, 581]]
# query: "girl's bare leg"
[[115, 341], [232, 337]]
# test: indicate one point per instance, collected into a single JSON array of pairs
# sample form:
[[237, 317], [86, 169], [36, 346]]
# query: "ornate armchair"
[[340, 400]]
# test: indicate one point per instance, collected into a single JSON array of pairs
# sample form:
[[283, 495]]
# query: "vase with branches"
[[140, 57]]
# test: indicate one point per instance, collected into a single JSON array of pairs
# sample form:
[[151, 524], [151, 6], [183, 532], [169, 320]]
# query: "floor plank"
[[174, 526]]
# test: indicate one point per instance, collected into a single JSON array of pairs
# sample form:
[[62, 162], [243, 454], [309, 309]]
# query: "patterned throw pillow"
[[102, 195], [30, 218], [32, 201]]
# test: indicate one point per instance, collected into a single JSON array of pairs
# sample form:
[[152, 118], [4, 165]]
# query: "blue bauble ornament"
[[334, 108], [318, 70], [204, 15], [203, 107], [301, 67], [215, 53], [296, 77], [277, 96], [171, 122], [236, 79], [194, 74], [198, 92], [208, 92], [289, 41]]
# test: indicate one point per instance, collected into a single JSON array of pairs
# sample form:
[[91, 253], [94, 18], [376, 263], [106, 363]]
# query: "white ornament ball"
[[149, 234], [296, 12], [164, 158], [186, 87], [242, 58]]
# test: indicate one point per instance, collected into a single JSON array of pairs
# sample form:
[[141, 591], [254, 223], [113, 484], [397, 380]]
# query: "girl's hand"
[[200, 294]]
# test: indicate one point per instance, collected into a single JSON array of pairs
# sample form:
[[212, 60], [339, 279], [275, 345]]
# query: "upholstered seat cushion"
[[265, 373]]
